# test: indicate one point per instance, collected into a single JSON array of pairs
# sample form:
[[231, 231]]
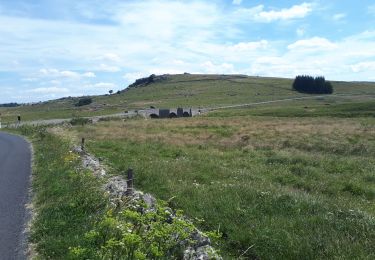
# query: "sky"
[[56, 48]]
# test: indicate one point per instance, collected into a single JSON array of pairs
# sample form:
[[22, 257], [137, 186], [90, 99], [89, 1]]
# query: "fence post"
[[130, 182], [83, 144]]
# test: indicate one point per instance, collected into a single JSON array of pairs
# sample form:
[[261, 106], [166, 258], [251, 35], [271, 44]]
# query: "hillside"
[[187, 90], [289, 179]]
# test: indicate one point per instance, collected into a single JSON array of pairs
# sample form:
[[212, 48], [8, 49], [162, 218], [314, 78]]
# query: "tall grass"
[[285, 188], [67, 200]]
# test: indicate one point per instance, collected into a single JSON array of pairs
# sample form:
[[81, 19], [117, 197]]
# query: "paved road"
[[15, 170]]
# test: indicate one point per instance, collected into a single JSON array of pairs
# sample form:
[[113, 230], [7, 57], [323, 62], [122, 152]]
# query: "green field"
[[284, 180], [288, 187], [185, 90]]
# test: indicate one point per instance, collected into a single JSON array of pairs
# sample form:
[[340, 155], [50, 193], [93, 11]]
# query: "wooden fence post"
[[130, 182], [83, 144]]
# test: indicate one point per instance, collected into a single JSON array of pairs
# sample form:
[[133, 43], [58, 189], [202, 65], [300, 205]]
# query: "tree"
[[83, 101], [311, 85], [110, 92]]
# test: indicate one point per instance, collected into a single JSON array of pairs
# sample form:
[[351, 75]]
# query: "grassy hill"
[[282, 180], [186, 90]]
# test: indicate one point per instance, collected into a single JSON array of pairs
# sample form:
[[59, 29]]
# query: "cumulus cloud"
[[223, 68], [108, 68], [65, 74], [132, 76], [89, 74], [315, 43], [102, 85], [112, 57], [364, 66], [131, 39], [294, 12], [249, 46], [49, 90]]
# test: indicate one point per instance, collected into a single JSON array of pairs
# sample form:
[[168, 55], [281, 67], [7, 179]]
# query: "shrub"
[[83, 101], [311, 85], [80, 121]]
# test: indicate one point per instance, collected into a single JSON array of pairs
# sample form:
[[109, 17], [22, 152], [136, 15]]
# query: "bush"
[[80, 121], [311, 85], [83, 101]]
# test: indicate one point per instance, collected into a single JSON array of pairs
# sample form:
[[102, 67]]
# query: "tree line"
[[311, 85], [10, 105]]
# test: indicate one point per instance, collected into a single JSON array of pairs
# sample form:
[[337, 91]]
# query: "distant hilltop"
[[148, 80], [10, 105]]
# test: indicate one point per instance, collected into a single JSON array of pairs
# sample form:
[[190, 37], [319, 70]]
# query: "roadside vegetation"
[[67, 200], [280, 188], [75, 219]]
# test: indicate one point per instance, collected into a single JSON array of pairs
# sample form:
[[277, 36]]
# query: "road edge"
[[25, 250]]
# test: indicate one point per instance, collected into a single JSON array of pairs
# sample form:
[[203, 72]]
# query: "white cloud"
[[55, 73], [211, 68], [112, 57], [55, 82], [49, 90], [173, 36], [368, 66], [339, 17], [89, 74], [105, 85], [132, 76], [69, 74], [295, 12], [312, 44], [249, 46], [236, 2], [30, 79], [108, 68]]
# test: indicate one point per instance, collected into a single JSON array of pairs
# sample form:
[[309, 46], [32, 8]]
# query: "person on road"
[[18, 120]]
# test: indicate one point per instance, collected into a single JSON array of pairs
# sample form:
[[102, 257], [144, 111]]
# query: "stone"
[[116, 187], [149, 200]]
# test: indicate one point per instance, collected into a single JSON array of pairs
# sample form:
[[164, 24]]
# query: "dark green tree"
[[311, 85]]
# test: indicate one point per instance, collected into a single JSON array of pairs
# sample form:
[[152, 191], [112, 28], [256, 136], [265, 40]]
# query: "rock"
[[116, 187], [149, 200], [77, 149], [201, 253], [200, 239]]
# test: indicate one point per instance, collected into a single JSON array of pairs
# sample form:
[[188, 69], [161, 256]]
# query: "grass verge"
[[75, 219], [67, 201]]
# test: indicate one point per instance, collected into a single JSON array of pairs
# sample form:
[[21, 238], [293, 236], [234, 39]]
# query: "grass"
[[289, 187], [287, 180], [177, 90], [344, 108], [67, 201], [74, 218]]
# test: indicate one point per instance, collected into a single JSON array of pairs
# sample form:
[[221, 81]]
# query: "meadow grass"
[[187, 90], [287, 188], [343, 107]]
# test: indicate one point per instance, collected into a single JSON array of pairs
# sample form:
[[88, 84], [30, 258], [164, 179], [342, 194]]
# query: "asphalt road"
[[15, 170]]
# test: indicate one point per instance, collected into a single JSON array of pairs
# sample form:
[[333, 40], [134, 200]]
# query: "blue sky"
[[55, 48]]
